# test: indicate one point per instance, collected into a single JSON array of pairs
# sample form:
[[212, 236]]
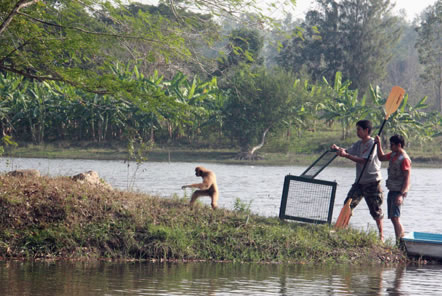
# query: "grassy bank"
[[42, 217]]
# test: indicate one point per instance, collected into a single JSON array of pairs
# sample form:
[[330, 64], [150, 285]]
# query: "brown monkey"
[[207, 187]]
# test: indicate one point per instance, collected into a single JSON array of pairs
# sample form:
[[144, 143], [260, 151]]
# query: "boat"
[[423, 244]]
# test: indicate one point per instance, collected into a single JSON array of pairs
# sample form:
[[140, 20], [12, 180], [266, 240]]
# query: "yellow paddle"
[[344, 215], [391, 105]]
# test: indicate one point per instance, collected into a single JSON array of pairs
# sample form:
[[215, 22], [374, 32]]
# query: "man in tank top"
[[368, 186], [398, 182]]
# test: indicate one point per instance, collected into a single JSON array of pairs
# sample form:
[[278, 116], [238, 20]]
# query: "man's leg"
[[394, 213], [379, 223], [355, 194], [398, 229], [374, 198]]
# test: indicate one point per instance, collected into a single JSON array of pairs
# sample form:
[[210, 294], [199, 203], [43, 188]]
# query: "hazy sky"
[[412, 7]]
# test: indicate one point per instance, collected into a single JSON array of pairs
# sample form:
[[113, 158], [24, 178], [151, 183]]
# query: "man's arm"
[[356, 159], [352, 157], [407, 177], [406, 184], [381, 155], [343, 153]]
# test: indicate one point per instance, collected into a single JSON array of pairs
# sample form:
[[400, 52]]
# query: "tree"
[[429, 46], [258, 102], [44, 40], [245, 46], [75, 41], [404, 67], [166, 18], [78, 42], [354, 37]]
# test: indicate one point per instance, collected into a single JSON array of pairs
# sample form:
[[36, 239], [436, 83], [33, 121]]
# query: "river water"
[[261, 186], [107, 278]]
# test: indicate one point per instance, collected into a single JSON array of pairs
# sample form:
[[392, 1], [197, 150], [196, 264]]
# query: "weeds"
[[242, 207], [137, 150]]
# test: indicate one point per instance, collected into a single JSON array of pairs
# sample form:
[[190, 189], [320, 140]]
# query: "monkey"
[[207, 188]]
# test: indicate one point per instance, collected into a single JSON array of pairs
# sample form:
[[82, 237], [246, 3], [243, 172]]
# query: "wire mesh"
[[324, 160], [307, 200]]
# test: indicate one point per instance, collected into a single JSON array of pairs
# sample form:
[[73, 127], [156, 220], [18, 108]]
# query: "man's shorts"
[[372, 192], [393, 209]]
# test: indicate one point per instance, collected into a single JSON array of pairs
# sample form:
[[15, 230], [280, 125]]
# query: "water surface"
[[105, 278]]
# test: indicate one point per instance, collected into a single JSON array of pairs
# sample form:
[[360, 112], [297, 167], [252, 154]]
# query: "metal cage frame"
[[285, 193], [305, 173]]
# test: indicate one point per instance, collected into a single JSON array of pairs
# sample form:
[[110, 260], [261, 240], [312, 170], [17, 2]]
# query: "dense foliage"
[[250, 104], [104, 71], [76, 41]]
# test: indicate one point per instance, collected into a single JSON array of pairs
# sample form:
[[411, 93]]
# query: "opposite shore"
[[178, 154]]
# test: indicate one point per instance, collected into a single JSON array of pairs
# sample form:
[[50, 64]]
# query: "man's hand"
[[399, 200], [341, 152], [377, 140], [183, 187]]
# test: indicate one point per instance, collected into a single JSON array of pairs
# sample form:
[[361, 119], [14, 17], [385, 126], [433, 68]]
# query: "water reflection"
[[105, 278]]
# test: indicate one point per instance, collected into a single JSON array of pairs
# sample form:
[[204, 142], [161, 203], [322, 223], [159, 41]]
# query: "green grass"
[[58, 218]]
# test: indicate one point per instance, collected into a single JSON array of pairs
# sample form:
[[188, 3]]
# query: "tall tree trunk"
[[152, 135], [259, 146]]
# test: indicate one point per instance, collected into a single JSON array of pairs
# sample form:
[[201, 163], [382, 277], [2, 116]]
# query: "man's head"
[[395, 141], [363, 128], [365, 124]]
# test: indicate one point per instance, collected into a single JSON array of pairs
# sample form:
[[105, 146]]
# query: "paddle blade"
[[394, 100], [344, 215]]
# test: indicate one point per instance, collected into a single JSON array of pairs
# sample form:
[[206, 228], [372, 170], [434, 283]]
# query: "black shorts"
[[372, 193]]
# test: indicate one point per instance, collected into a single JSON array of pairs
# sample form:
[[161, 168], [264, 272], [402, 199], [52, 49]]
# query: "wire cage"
[[324, 160], [308, 200]]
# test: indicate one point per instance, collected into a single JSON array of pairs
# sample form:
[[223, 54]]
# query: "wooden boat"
[[423, 244]]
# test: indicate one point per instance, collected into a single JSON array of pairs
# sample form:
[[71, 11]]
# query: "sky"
[[412, 7]]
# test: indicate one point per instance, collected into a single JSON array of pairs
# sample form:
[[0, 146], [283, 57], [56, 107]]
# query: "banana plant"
[[409, 121], [342, 104], [9, 84], [29, 108], [9, 87], [192, 91]]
